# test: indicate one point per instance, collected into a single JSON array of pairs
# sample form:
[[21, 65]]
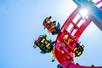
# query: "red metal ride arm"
[[73, 28]]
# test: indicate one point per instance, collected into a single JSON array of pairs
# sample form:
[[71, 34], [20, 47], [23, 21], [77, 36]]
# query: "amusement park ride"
[[67, 45]]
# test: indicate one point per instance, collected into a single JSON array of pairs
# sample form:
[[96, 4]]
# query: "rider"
[[45, 45], [51, 26], [78, 50], [67, 39]]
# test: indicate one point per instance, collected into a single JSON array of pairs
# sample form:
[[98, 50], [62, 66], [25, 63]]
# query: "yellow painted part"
[[42, 40], [48, 21], [75, 49], [47, 45], [79, 53], [53, 52], [65, 37], [52, 26]]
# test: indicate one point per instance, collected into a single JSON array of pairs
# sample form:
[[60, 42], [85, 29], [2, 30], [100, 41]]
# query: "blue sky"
[[21, 23]]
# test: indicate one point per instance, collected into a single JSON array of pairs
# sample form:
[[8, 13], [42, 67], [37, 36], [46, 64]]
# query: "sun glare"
[[84, 13]]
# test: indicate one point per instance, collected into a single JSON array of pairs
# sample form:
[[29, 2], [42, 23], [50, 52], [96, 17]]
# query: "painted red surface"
[[64, 54]]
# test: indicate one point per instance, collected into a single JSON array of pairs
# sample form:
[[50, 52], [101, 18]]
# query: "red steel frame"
[[64, 55]]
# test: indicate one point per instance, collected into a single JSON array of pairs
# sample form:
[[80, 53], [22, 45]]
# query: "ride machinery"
[[67, 46]]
